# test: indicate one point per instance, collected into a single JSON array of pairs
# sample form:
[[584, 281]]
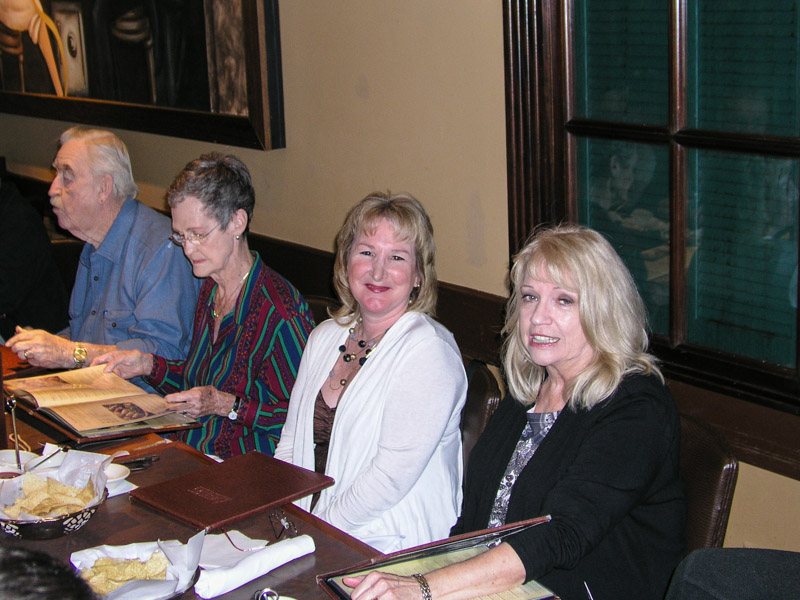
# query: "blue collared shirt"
[[135, 291]]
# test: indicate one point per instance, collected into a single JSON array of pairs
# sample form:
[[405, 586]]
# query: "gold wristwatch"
[[79, 355]]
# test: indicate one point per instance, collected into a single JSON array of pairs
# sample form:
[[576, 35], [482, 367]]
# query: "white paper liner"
[[183, 558], [76, 470]]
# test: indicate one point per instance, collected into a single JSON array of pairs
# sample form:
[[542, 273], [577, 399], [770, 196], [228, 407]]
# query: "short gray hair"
[[107, 156], [222, 184]]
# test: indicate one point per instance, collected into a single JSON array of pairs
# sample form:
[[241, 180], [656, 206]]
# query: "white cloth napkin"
[[223, 551], [215, 582]]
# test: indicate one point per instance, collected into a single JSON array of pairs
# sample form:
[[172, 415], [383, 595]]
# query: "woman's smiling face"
[[381, 272], [550, 325]]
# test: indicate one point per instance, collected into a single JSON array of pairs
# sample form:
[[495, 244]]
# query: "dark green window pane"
[[621, 62], [623, 193], [743, 61], [742, 283]]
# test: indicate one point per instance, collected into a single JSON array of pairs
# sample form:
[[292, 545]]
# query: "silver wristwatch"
[[235, 408]]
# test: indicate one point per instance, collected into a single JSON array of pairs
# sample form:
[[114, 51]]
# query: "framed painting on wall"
[[199, 69]]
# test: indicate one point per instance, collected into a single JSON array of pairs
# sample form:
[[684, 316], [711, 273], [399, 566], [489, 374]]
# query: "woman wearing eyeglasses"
[[250, 324]]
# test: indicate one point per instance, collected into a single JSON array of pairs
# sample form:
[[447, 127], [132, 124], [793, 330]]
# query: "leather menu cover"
[[432, 555], [226, 492]]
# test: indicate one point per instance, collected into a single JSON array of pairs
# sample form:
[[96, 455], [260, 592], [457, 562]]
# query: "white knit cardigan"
[[395, 448]]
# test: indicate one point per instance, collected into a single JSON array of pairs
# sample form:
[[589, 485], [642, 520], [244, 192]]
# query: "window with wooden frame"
[[674, 129]]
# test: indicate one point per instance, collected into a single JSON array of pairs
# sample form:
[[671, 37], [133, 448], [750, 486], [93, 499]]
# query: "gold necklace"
[[217, 315]]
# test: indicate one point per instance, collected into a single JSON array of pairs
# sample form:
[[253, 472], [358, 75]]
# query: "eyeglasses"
[[192, 238], [281, 524]]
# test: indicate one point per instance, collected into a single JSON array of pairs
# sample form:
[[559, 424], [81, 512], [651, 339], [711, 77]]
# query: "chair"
[[709, 471], [483, 396], [67, 254], [319, 306], [3, 432]]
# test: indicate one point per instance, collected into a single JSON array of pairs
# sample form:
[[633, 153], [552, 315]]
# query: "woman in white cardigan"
[[378, 396]]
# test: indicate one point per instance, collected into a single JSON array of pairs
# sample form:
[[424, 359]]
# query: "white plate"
[[115, 472]]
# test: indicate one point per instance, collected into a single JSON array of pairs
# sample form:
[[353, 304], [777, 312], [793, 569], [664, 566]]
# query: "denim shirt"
[[135, 291]]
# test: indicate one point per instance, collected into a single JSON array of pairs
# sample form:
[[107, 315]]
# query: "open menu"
[[92, 403], [429, 557]]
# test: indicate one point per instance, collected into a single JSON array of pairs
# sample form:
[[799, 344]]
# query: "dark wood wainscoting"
[[760, 435]]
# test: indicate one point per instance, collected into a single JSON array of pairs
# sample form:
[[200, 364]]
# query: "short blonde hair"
[[612, 314], [411, 223]]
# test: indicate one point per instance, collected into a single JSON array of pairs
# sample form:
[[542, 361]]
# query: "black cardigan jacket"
[[609, 479]]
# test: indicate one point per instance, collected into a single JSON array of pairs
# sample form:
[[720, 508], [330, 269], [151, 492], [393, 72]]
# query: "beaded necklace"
[[358, 356]]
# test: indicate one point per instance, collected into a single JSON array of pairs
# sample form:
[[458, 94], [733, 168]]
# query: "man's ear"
[[105, 187]]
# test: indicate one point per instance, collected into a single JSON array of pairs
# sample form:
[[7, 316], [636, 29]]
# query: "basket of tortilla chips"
[[141, 571], [39, 508]]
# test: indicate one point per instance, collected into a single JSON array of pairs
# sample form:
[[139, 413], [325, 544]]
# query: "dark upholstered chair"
[[483, 396], [67, 253], [319, 306], [3, 432], [709, 471]]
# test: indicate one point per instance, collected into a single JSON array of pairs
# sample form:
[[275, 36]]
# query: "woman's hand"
[[201, 401], [125, 363], [494, 571], [383, 586]]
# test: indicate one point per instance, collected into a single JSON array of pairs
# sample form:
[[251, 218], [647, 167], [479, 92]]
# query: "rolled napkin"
[[215, 582]]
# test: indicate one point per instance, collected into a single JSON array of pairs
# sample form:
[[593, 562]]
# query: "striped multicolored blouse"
[[256, 357]]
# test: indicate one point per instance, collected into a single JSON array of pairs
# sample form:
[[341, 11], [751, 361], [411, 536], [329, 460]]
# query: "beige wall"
[[404, 95], [765, 511]]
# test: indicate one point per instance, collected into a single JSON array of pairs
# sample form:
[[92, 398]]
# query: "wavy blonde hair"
[[612, 314], [411, 223]]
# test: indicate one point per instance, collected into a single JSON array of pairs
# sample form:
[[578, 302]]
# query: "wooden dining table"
[[120, 520]]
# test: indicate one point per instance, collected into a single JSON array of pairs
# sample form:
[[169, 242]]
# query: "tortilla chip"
[[108, 574]]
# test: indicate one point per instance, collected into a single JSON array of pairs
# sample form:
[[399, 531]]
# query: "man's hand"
[[42, 349]]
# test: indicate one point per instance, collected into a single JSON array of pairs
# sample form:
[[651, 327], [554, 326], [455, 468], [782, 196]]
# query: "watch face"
[[79, 356], [232, 415]]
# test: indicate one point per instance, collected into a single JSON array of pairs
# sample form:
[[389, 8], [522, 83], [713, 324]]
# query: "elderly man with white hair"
[[134, 289]]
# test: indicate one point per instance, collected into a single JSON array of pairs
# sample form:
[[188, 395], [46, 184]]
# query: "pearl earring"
[[237, 236]]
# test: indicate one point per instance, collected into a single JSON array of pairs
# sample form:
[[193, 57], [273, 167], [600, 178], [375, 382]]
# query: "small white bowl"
[[9, 473], [8, 458], [115, 472]]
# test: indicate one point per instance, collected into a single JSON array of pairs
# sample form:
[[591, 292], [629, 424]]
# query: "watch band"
[[235, 408], [79, 355]]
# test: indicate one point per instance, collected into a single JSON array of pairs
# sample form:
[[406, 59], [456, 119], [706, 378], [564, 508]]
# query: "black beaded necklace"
[[365, 348]]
